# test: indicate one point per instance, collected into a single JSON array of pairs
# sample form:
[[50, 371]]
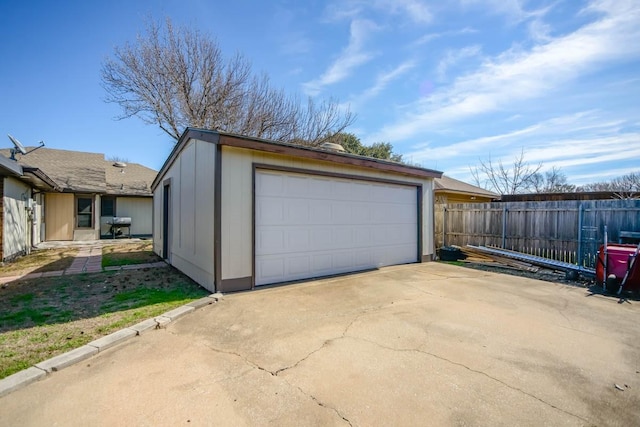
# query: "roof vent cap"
[[331, 146], [120, 164]]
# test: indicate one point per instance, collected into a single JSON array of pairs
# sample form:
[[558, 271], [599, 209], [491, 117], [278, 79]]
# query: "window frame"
[[91, 214]]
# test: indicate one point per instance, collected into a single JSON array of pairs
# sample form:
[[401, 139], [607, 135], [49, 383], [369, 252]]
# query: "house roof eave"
[[276, 147]]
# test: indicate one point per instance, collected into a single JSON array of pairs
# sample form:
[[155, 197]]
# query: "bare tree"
[[117, 159], [623, 187], [177, 77], [552, 181], [510, 179]]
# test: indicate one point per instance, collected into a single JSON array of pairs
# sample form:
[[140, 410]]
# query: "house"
[[51, 194], [450, 190], [234, 212]]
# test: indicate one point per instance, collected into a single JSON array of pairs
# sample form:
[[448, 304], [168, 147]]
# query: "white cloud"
[[413, 10], [572, 143], [517, 75], [453, 57], [351, 57], [572, 127], [433, 36], [382, 81], [514, 10]]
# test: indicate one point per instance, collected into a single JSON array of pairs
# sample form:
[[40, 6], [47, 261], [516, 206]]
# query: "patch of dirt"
[[542, 274]]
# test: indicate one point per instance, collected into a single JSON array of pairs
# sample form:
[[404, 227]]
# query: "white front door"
[[310, 226]]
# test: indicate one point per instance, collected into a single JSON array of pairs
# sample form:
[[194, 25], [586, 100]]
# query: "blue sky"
[[447, 83]]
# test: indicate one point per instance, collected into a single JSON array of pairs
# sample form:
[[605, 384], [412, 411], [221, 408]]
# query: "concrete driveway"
[[422, 344]]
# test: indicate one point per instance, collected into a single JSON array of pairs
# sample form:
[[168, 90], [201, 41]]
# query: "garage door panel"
[[322, 263], [270, 240], [297, 211], [341, 213], [309, 226], [319, 188], [270, 268], [319, 212], [361, 192], [298, 240], [342, 261], [270, 185], [362, 258], [362, 236], [270, 211], [342, 190], [362, 211], [296, 186], [322, 237], [299, 266]]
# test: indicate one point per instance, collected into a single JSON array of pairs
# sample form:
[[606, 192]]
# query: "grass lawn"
[[128, 253], [40, 260], [41, 318]]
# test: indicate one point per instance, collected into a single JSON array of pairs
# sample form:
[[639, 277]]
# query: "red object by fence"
[[619, 257]]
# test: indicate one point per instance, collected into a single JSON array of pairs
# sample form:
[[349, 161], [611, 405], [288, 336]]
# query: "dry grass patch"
[[39, 261], [42, 318], [128, 253]]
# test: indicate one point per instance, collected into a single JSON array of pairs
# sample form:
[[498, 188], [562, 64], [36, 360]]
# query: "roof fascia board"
[[43, 177], [239, 141], [317, 154]]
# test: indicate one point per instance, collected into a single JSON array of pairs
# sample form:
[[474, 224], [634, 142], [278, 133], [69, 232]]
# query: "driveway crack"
[[462, 365], [275, 374], [320, 403], [326, 342], [244, 358]]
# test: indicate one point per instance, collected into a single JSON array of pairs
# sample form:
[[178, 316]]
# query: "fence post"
[[504, 227], [580, 219], [444, 225]]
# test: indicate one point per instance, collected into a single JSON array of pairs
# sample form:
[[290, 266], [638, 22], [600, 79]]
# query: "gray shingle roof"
[[446, 183], [76, 171]]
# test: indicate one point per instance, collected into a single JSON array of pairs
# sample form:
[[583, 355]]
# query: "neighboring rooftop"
[[451, 185], [76, 171]]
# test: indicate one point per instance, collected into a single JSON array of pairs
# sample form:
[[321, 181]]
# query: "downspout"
[[34, 223]]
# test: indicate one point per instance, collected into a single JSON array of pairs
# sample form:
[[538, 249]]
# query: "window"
[[84, 212], [107, 206]]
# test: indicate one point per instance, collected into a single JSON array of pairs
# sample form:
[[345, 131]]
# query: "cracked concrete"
[[408, 345]]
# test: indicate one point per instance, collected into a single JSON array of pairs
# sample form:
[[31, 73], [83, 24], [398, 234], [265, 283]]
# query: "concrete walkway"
[[87, 260]]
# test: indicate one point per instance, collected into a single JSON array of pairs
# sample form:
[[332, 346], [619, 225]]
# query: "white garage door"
[[310, 226]]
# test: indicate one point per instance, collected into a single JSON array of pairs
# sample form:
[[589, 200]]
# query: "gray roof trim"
[[9, 167], [41, 180], [233, 140], [452, 185]]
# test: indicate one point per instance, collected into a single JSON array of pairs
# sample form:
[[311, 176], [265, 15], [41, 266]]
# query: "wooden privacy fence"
[[569, 230]]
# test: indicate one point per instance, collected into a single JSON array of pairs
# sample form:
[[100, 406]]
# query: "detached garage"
[[234, 212]]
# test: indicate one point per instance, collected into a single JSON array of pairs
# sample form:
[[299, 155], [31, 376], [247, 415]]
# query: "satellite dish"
[[19, 147]]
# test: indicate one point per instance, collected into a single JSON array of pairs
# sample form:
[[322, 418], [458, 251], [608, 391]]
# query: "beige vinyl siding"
[[237, 209], [59, 216], [192, 193], [16, 232], [39, 217], [140, 210]]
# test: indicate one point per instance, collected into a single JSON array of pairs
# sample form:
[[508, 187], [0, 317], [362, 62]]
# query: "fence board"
[[561, 230]]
